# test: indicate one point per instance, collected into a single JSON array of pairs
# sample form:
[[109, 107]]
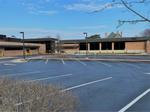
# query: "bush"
[[16, 96]]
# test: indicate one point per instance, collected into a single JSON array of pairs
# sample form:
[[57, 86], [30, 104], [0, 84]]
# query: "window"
[[94, 46], [106, 46], [83, 46], [119, 45], [13, 48]]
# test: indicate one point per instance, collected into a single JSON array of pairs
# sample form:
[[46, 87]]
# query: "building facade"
[[126, 45], [48, 42], [14, 47]]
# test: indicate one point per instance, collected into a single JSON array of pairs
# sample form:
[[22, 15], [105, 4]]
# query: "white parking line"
[[46, 61], [63, 61], [147, 73], [64, 90], [133, 65], [134, 101], [5, 69], [81, 62], [85, 84], [52, 77], [9, 64], [21, 74], [4, 62], [108, 65]]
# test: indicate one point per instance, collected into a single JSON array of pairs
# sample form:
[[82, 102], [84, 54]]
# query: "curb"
[[89, 59]]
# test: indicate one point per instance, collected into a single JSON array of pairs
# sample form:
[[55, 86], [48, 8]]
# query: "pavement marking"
[[21, 74], [9, 64], [64, 90], [5, 69], [81, 62], [4, 62], [46, 61], [134, 101], [85, 84], [133, 65], [52, 77], [147, 73], [108, 65], [63, 61]]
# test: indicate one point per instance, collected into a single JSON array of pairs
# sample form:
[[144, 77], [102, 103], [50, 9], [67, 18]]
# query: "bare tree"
[[128, 4], [146, 33]]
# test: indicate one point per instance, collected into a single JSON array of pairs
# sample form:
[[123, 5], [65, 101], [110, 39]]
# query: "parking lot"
[[99, 86]]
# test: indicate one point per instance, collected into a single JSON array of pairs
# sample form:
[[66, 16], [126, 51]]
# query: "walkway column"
[[100, 46], [88, 46], [112, 47]]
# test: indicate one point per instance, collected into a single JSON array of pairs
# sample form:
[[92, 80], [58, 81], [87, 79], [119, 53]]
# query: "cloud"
[[43, 12], [39, 8], [90, 27], [83, 7], [91, 6], [47, 12]]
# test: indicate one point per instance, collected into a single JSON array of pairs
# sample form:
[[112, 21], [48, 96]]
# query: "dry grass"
[[36, 97]]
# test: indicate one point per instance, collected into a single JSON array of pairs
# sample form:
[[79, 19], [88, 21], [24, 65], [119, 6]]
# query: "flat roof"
[[123, 39], [40, 39], [17, 44]]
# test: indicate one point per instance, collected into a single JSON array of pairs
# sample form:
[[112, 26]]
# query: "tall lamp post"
[[23, 45], [86, 35]]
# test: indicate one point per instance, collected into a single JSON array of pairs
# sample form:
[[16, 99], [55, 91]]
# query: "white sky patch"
[[90, 7], [90, 27], [46, 12], [39, 8]]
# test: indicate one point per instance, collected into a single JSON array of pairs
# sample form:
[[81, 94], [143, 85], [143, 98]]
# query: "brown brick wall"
[[1, 52], [13, 52], [19, 52], [34, 52], [70, 48], [148, 47], [42, 49], [135, 46]]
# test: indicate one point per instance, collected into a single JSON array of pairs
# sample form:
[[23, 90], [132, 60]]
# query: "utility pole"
[[86, 35], [24, 57]]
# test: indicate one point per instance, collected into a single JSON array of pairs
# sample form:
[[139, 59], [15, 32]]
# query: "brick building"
[[112, 44], [49, 43], [14, 47]]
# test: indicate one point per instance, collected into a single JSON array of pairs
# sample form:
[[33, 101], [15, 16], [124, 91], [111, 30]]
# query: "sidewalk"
[[2, 58]]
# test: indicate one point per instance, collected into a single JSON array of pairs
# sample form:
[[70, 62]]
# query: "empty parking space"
[[100, 86]]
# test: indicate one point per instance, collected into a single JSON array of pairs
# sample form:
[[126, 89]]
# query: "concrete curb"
[[94, 59]]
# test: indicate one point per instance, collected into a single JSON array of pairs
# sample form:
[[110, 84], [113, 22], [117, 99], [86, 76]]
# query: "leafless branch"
[[127, 5], [135, 12], [121, 22]]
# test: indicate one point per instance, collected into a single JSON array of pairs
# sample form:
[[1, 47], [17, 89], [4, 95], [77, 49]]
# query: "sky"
[[67, 19]]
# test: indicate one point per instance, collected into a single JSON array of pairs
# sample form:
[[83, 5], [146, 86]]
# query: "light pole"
[[23, 45], [85, 33]]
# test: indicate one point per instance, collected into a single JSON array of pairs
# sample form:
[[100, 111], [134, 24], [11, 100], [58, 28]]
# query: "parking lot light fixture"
[[23, 45], [86, 35]]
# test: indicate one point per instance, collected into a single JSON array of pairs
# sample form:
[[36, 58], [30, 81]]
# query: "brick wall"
[[19, 52], [13, 52], [148, 47], [42, 49], [70, 48], [135, 47], [1, 52]]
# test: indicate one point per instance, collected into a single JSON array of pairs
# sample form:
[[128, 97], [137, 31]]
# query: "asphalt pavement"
[[99, 86]]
